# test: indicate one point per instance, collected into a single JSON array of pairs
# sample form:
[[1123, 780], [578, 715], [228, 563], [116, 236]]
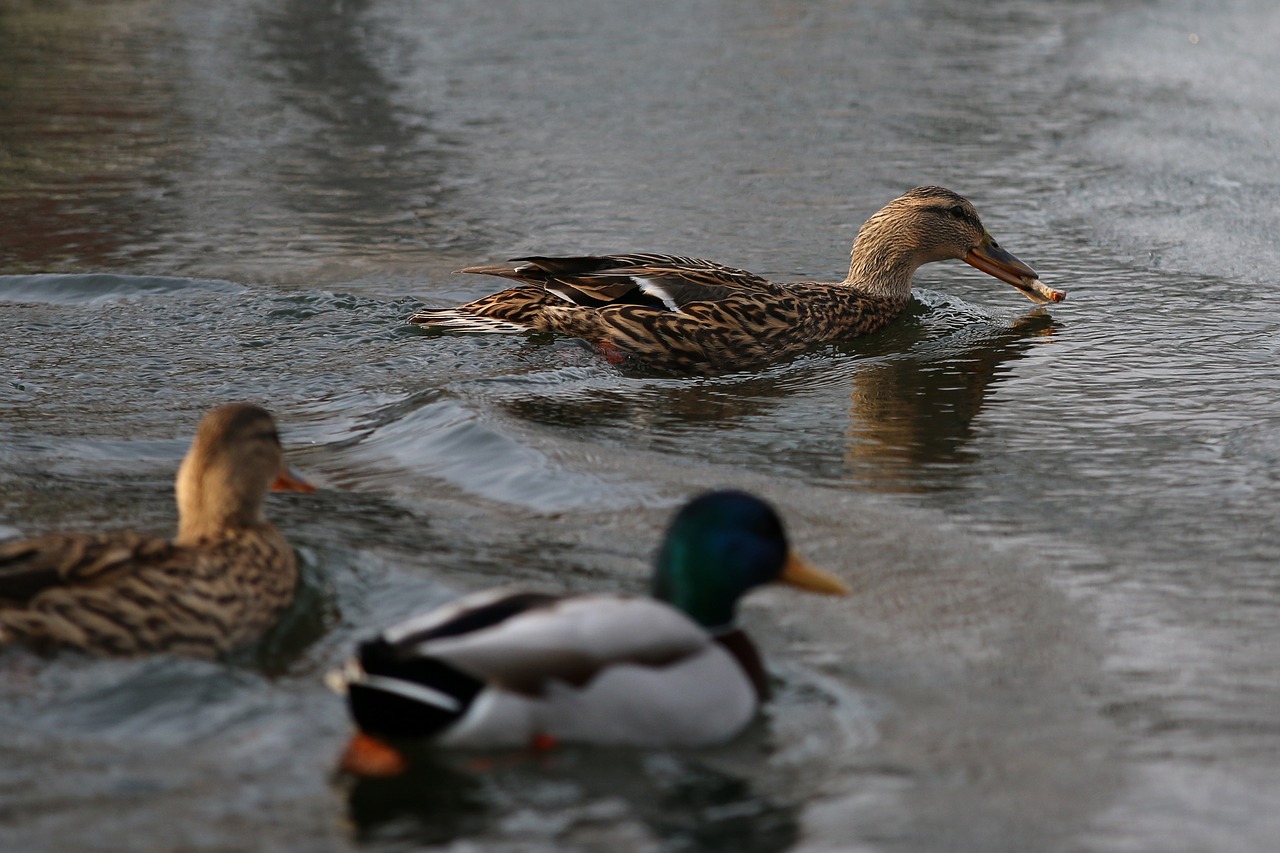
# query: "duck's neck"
[[880, 270], [702, 600], [884, 258], [210, 507]]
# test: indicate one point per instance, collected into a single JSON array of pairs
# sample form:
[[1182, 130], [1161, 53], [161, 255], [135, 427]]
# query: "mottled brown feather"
[[690, 314]]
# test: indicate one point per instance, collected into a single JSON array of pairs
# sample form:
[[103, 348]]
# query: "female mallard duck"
[[687, 313], [223, 581], [505, 668]]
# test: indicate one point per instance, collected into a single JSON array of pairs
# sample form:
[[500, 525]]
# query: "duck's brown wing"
[[661, 281], [29, 566]]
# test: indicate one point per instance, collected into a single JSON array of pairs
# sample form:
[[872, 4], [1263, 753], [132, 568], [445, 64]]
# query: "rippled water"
[[1060, 522]]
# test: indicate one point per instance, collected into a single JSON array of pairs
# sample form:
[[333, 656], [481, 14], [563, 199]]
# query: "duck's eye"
[[957, 211]]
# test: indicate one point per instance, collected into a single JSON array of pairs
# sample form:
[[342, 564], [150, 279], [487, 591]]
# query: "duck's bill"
[[289, 480], [995, 261], [799, 572]]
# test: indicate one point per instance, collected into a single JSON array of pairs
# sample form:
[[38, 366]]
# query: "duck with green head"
[[507, 668]]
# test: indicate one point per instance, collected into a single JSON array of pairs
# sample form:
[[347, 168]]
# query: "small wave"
[[97, 288], [446, 440], [68, 450]]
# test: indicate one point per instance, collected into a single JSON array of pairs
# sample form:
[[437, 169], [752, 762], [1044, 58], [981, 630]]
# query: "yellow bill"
[[799, 572]]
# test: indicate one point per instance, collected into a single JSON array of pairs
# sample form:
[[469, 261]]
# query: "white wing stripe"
[[652, 288], [409, 690]]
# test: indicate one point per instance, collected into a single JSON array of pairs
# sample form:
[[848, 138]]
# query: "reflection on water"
[[292, 142], [592, 798], [912, 414], [591, 399], [894, 412], [86, 134], [347, 161], [433, 803]]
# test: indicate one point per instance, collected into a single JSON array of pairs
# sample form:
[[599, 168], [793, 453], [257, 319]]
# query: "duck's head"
[[934, 224], [234, 459], [722, 545]]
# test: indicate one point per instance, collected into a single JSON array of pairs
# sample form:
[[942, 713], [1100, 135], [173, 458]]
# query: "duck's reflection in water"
[[432, 803], [902, 420], [911, 415], [592, 798]]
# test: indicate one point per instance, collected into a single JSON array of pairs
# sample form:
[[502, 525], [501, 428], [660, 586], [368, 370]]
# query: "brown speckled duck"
[[222, 581], [688, 314]]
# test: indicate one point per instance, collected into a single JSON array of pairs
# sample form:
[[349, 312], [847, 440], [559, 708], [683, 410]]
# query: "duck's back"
[[669, 312], [127, 594]]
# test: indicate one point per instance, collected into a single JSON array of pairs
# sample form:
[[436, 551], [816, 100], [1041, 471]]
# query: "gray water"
[[1059, 523]]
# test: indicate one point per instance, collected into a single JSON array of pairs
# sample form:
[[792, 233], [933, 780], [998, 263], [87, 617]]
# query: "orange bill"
[[289, 480]]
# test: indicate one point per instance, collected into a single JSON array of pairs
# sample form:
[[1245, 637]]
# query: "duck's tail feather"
[[460, 321], [395, 696]]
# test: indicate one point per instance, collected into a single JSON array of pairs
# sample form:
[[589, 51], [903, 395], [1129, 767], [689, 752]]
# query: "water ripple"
[[100, 288]]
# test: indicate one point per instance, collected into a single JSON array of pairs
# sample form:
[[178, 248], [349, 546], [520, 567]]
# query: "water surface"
[[1059, 521]]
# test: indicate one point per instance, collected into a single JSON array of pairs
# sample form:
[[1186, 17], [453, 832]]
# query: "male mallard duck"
[[223, 581], [687, 313], [504, 668]]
